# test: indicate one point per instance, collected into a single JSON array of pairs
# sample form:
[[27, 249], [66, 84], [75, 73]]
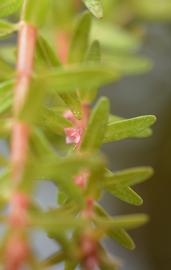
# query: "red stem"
[[20, 134], [17, 249]]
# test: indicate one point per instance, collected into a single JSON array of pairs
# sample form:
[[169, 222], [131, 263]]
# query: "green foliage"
[[92, 140], [9, 7], [95, 6], [66, 133]]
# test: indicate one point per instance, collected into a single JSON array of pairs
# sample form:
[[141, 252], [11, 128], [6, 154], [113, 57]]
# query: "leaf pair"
[[115, 227], [119, 183]]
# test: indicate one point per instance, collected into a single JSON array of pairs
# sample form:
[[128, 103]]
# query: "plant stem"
[[20, 134], [17, 249]]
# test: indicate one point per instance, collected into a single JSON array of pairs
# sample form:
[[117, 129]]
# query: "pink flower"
[[81, 179], [73, 135]]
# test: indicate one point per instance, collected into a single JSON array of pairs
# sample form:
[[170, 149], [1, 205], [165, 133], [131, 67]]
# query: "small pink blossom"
[[69, 116], [73, 135], [81, 179]]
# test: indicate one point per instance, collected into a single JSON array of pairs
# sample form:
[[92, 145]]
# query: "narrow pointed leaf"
[[128, 177], [79, 44], [93, 56], [126, 194], [94, 134], [95, 7], [73, 102], [55, 121], [119, 235], [134, 127], [127, 222], [45, 53], [79, 77], [94, 53], [122, 238], [55, 223], [6, 28]]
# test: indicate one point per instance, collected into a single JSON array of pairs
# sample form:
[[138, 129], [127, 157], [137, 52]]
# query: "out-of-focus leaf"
[[5, 186], [32, 108], [113, 38], [5, 127], [39, 144], [95, 131], [95, 6], [73, 102], [51, 167], [93, 56], [126, 194], [55, 223], [6, 95], [54, 120], [79, 44], [45, 53], [128, 177], [94, 53], [127, 64], [119, 235], [129, 128], [35, 12], [70, 265], [127, 222], [8, 7], [79, 77], [3, 161], [6, 28]]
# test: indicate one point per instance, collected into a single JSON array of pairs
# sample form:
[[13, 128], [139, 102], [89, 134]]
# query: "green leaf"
[[57, 223], [5, 127], [129, 128], [8, 7], [5, 186], [126, 194], [112, 38], [80, 40], [127, 221], [79, 77], [128, 177], [6, 95], [94, 53], [122, 237], [93, 56], [95, 131], [95, 7], [55, 121], [6, 28], [73, 102], [51, 167], [45, 53], [134, 64], [119, 235], [35, 12], [32, 107]]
